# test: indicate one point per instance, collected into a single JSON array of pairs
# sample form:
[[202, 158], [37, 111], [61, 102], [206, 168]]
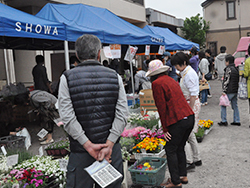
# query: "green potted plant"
[[200, 134], [58, 148]]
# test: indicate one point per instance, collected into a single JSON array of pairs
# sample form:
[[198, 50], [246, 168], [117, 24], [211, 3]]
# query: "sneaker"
[[198, 163], [223, 123], [190, 166], [203, 104], [235, 123], [206, 103], [47, 142], [209, 96]]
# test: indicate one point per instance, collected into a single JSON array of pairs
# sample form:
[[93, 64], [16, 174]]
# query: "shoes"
[[190, 166], [184, 180], [42, 139], [47, 142], [203, 104], [209, 96], [223, 123], [235, 123], [206, 103], [198, 163], [169, 184]]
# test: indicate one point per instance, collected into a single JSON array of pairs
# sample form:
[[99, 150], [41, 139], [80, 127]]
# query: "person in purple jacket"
[[194, 60]]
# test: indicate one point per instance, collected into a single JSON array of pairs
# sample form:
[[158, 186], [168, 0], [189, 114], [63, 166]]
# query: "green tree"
[[195, 29]]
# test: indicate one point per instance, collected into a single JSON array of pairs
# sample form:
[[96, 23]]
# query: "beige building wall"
[[226, 32], [129, 11]]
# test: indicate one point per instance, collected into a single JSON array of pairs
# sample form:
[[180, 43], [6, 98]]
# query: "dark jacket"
[[231, 79], [40, 78], [211, 61], [94, 92]]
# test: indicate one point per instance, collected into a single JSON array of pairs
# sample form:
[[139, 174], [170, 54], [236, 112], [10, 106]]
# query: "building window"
[[213, 47], [231, 10]]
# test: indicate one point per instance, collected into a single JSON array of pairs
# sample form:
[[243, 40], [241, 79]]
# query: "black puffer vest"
[[234, 79], [94, 91]]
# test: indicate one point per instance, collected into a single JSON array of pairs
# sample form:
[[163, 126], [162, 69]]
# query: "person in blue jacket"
[[167, 61]]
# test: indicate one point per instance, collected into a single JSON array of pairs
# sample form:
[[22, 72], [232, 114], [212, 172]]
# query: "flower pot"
[[57, 152], [199, 139]]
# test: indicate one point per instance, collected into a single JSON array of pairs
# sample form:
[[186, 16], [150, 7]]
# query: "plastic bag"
[[224, 101], [24, 132], [242, 91]]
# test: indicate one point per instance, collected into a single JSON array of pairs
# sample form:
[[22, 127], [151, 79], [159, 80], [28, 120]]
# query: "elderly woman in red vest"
[[177, 119]]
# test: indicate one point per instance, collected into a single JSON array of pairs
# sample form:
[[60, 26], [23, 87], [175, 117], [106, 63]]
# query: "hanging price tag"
[[133, 51], [42, 133], [107, 52], [12, 160], [4, 150], [63, 164], [147, 50], [161, 50]]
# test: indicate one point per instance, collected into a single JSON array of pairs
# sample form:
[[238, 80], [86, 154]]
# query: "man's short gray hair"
[[87, 47]]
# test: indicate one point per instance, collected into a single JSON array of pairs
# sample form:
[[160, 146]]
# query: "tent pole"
[[6, 66], [131, 73], [66, 53]]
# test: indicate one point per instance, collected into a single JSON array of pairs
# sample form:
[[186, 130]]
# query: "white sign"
[[4, 150], [42, 133], [12, 160], [103, 173], [133, 51], [107, 52], [147, 50], [161, 50], [63, 164], [115, 50], [40, 151]]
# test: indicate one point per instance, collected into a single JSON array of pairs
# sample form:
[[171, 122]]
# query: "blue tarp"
[[109, 28], [15, 23], [172, 41]]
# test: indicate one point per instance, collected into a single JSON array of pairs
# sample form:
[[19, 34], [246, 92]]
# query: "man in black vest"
[[93, 108]]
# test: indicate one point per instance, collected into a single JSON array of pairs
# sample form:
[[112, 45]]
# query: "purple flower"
[[25, 185]]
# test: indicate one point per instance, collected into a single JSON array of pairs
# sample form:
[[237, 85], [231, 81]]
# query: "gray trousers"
[[77, 177], [193, 153]]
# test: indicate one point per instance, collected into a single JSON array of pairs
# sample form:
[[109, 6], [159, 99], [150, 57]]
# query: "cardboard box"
[[147, 102]]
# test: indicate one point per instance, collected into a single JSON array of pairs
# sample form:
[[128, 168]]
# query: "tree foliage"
[[195, 29]]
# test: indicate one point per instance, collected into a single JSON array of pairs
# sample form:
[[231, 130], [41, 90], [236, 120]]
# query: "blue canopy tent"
[[17, 28], [172, 41], [108, 27]]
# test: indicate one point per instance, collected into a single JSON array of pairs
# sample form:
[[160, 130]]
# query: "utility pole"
[[239, 18]]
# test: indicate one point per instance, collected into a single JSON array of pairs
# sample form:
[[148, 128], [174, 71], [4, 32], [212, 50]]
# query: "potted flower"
[[200, 134], [59, 148], [150, 146]]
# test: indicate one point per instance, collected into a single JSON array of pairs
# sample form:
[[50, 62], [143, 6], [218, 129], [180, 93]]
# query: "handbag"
[[208, 76], [224, 101], [242, 91], [203, 85]]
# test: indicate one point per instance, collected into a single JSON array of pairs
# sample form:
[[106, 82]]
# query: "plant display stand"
[[208, 130], [151, 177]]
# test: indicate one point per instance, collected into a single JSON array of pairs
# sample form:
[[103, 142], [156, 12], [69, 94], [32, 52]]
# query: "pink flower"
[[33, 180]]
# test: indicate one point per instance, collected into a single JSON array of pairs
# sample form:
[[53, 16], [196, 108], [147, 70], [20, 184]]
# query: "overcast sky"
[[177, 8]]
